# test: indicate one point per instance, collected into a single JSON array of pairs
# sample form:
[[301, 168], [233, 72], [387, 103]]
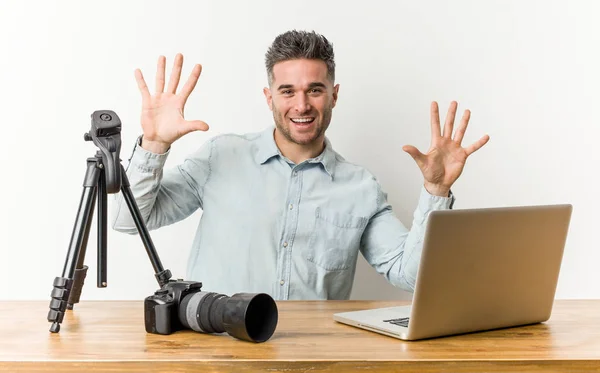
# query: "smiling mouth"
[[303, 121]]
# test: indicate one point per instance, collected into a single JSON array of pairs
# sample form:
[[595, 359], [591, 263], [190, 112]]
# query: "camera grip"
[[157, 315]]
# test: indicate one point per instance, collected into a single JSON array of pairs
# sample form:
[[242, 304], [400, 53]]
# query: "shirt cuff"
[[429, 202], [146, 161]]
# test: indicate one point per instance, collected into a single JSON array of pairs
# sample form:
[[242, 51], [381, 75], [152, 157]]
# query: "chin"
[[304, 138]]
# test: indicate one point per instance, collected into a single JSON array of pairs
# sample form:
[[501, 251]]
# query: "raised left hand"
[[446, 158]]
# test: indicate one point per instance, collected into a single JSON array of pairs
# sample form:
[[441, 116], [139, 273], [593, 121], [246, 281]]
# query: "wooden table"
[[110, 336]]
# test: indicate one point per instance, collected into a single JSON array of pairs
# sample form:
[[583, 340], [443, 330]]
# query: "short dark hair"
[[293, 45]]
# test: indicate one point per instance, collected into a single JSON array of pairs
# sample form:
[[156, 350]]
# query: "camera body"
[[161, 309]]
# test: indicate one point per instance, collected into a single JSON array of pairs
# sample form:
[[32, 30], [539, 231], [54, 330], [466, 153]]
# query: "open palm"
[[444, 161], [162, 116]]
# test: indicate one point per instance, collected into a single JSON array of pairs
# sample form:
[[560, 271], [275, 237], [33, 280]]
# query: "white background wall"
[[528, 70]]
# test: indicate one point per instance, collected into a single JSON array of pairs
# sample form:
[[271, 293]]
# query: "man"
[[283, 213]]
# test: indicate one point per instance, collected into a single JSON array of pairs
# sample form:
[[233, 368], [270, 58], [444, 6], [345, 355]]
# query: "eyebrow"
[[311, 85]]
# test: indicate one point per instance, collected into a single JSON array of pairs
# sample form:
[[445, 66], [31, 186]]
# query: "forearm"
[[403, 260], [144, 174], [395, 251], [163, 197], [413, 246]]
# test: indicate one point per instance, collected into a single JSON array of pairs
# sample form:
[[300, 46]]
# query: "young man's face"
[[301, 98]]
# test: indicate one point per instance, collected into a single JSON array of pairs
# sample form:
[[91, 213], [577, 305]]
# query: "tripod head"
[[106, 135]]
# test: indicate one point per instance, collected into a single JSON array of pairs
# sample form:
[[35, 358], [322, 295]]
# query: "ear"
[[269, 97], [336, 89]]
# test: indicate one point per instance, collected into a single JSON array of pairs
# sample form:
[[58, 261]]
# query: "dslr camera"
[[180, 305]]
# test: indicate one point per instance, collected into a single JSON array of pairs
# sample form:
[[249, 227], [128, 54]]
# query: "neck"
[[298, 153]]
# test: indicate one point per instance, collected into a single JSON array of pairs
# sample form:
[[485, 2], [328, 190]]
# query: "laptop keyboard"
[[403, 321]]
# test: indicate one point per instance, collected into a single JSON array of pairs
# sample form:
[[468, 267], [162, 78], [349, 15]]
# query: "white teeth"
[[302, 120]]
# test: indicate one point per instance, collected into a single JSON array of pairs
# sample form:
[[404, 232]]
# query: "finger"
[[450, 117], [175, 74], [195, 125], [435, 121], [160, 74], [191, 82], [142, 85], [462, 127], [477, 145], [415, 154]]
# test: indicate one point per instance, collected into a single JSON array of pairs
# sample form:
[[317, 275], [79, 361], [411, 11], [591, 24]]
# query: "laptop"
[[480, 269]]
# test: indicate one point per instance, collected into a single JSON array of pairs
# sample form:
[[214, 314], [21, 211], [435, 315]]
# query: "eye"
[[286, 92], [316, 90]]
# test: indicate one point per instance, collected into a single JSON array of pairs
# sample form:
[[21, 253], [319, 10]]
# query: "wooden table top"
[[105, 335]]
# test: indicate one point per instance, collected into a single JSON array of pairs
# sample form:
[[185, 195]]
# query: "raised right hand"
[[162, 113]]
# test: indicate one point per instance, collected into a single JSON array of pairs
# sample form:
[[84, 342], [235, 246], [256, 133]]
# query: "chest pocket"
[[334, 242]]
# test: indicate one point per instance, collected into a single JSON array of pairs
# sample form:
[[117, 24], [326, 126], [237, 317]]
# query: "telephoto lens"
[[246, 316]]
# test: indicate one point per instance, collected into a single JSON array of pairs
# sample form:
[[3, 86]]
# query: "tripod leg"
[[102, 226], [80, 268], [162, 275], [63, 285]]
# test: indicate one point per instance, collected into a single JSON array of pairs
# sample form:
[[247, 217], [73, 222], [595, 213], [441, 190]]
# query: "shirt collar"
[[267, 149]]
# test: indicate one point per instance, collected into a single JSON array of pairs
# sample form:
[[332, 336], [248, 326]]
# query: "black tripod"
[[104, 175]]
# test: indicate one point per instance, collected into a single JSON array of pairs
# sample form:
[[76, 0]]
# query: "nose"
[[301, 104]]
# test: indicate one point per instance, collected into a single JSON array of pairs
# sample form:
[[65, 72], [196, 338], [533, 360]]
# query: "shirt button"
[[281, 282], [285, 244], [295, 173], [291, 206]]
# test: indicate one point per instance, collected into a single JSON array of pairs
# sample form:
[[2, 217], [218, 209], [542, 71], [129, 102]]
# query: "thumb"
[[195, 125], [414, 153]]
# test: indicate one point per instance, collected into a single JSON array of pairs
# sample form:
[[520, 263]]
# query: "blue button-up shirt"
[[293, 231]]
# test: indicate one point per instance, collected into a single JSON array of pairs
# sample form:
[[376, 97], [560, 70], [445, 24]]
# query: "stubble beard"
[[320, 126]]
